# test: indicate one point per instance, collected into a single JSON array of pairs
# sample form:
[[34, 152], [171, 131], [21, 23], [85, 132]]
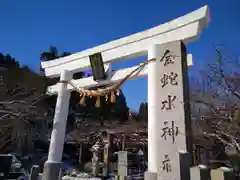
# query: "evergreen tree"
[[146, 111], [140, 111], [121, 108], [143, 112], [6, 61]]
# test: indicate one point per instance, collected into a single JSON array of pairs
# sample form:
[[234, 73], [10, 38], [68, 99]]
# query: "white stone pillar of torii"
[[186, 29]]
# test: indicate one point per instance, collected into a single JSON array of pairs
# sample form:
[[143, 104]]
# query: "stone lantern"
[[97, 150]]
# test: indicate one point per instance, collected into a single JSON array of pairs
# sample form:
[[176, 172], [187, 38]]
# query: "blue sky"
[[29, 27]]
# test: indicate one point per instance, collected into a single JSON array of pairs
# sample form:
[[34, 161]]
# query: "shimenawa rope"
[[111, 90]]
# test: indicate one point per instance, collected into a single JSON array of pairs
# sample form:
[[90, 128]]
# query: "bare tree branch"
[[21, 105], [217, 97]]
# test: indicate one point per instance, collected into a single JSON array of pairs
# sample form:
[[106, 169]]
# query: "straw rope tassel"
[[98, 102], [83, 99], [113, 97], [106, 97]]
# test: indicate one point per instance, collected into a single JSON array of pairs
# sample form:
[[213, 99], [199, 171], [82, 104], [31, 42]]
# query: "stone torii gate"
[[172, 36]]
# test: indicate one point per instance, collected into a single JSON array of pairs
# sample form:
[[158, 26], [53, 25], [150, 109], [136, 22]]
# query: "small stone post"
[[185, 161], [80, 153], [204, 172], [227, 173], [34, 174], [122, 165]]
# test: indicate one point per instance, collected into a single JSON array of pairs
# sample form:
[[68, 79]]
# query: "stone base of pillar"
[[150, 175], [51, 170]]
